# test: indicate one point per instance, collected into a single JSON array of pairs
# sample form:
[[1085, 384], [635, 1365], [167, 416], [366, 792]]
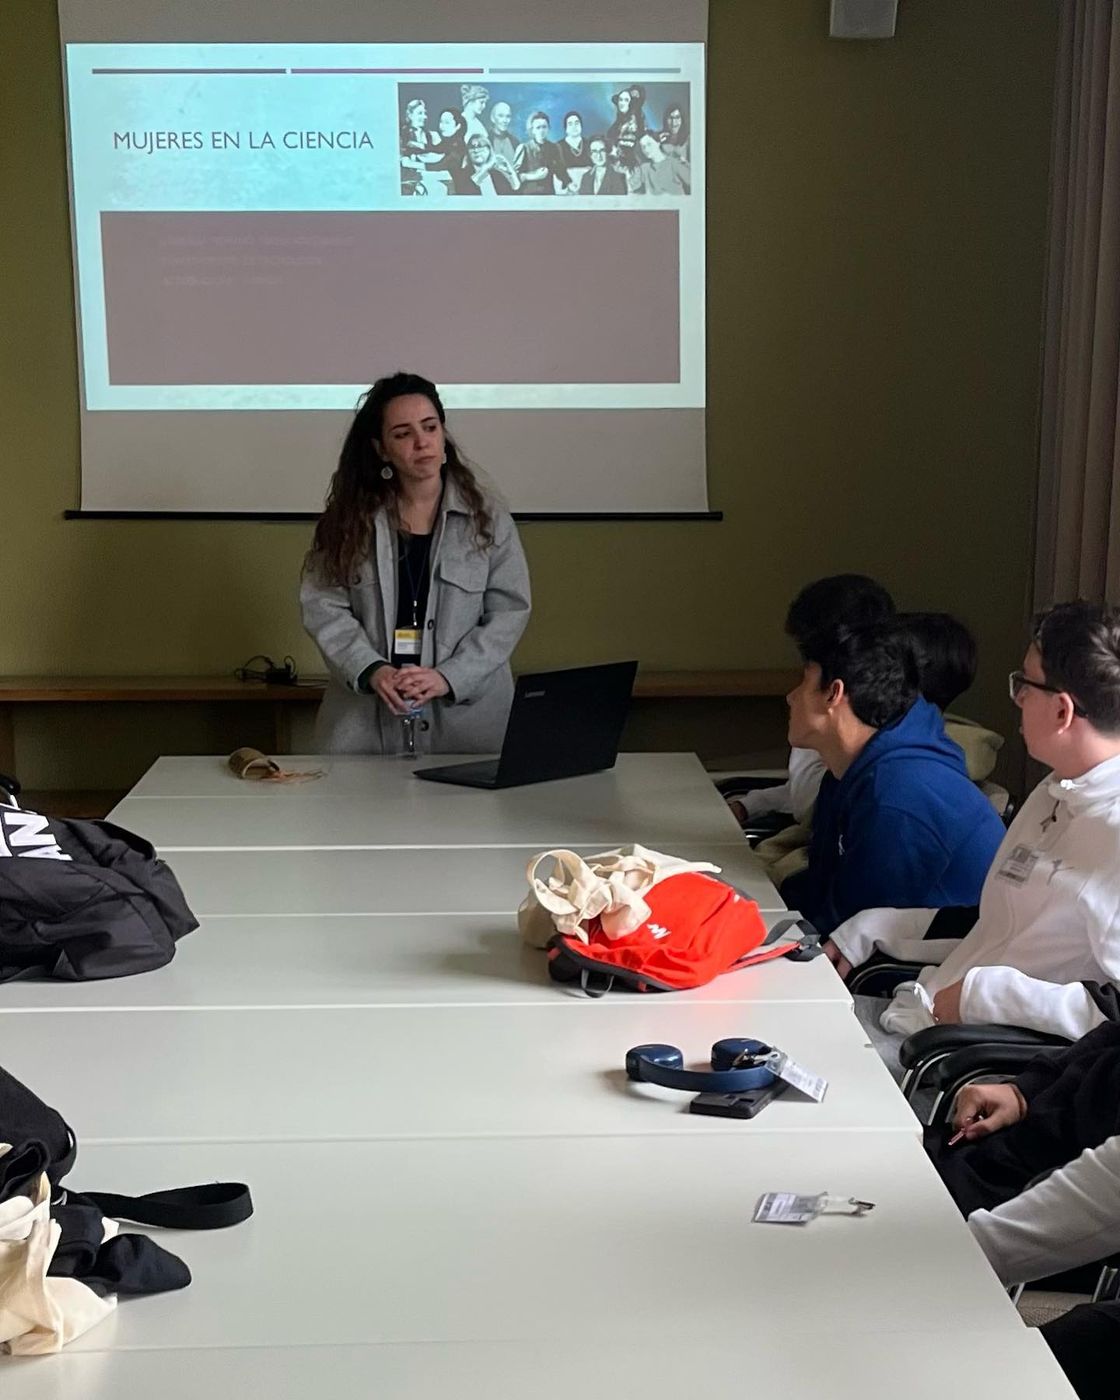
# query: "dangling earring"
[[386, 472]]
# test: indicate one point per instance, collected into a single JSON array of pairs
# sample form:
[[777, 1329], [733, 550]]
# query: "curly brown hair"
[[358, 490]]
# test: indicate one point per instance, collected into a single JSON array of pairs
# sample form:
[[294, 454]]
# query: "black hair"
[[878, 666], [460, 122], [1079, 644], [946, 655], [682, 136], [841, 600]]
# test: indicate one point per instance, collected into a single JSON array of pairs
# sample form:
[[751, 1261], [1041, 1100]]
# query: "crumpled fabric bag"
[[609, 888], [40, 1314], [64, 1260]]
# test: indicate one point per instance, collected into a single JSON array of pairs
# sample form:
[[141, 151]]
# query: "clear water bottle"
[[409, 724]]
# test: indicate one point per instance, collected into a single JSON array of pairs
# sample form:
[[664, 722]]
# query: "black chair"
[[880, 975], [947, 1058]]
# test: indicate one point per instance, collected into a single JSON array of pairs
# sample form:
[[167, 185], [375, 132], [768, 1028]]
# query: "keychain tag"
[[813, 1086], [789, 1208]]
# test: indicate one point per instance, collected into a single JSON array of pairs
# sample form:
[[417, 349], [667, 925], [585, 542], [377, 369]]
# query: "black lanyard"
[[415, 581]]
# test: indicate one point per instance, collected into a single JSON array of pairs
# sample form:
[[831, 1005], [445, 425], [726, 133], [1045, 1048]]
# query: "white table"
[[414, 880], [656, 800], [382, 960], [433, 1072], [453, 1177], [636, 777], [850, 1364], [477, 1240]]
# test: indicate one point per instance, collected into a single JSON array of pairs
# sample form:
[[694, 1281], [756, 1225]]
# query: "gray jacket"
[[478, 607]]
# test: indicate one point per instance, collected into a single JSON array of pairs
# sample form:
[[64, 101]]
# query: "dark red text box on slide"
[[516, 297]]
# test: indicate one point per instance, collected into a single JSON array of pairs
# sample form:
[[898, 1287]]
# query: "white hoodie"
[[1049, 919], [1070, 1218]]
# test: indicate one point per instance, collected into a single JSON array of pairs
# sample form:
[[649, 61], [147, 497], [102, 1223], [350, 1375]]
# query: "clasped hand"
[[403, 688]]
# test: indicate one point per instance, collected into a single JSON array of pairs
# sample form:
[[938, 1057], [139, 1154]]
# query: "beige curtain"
[[1078, 519]]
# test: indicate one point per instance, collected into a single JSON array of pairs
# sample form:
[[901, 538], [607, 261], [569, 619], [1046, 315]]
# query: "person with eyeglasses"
[[1044, 952]]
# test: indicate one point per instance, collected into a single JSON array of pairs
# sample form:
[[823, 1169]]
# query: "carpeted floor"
[[1037, 1307]]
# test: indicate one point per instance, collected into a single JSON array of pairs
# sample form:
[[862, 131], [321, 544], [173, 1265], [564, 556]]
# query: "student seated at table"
[[1038, 1176], [946, 653], [850, 600], [1048, 931], [897, 820]]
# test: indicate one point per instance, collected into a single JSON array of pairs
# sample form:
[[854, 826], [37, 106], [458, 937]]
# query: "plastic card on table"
[[813, 1086], [790, 1208]]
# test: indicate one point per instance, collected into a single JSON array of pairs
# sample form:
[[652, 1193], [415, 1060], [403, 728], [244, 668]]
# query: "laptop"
[[562, 724]]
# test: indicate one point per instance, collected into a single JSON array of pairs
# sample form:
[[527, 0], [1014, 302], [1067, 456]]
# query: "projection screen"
[[508, 200]]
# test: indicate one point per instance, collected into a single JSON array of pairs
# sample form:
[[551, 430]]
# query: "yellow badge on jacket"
[[406, 641]]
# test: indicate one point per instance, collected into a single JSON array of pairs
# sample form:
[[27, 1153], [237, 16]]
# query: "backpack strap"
[[794, 938], [569, 968], [595, 984], [209, 1207]]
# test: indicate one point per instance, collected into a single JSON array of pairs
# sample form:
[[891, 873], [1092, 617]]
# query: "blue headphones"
[[737, 1065]]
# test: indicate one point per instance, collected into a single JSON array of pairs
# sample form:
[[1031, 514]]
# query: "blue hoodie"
[[904, 828]]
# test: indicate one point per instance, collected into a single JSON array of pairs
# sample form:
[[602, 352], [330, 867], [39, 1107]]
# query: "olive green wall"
[[877, 219]]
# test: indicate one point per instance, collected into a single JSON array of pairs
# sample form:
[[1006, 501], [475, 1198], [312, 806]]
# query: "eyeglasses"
[[1017, 681]]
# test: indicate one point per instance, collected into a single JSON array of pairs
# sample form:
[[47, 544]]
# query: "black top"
[[413, 578], [1073, 1098], [569, 157]]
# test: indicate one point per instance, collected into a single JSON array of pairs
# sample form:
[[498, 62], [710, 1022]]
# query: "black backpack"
[[83, 899]]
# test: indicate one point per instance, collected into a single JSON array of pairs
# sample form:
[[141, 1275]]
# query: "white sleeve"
[[887, 931], [763, 800], [806, 769], [1071, 1218], [1104, 930], [796, 796], [1008, 997]]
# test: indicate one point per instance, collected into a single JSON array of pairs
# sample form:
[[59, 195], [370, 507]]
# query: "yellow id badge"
[[406, 641]]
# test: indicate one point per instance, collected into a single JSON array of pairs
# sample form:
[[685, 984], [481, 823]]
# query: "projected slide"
[[261, 230], [269, 227]]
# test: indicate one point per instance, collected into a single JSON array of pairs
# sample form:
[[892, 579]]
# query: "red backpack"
[[698, 927]]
